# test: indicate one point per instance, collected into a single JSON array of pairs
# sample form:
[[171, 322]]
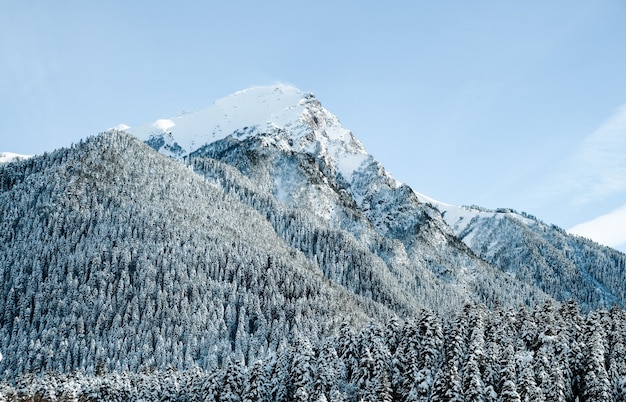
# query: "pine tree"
[[281, 382], [473, 385], [348, 350], [406, 363], [617, 354], [302, 369], [257, 388], [528, 389], [509, 392], [329, 371], [233, 382], [448, 387], [430, 355], [373, 380], [474, 388], [597, 385]]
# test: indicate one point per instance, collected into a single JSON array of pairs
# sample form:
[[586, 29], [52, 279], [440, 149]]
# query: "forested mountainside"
[[145, 263], [112, 254], [436, 272], [562, 265], [265, 255], [546, 353]]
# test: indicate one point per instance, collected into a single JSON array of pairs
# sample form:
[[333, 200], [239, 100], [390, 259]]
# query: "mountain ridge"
[[132, 238]]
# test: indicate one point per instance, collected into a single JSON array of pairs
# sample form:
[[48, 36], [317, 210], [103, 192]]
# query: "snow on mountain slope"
[[258, 106], [295, 122], [278, 109], [519, 244], [285, 118], [7, 157], [461, 219]]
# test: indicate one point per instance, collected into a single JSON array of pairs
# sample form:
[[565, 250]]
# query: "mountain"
[[262, 254], [143, 261], [288, 144], [562, 265], [113, 255], [295, 150]]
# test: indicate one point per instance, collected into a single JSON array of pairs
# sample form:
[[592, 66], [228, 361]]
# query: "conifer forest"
[[249, 269]]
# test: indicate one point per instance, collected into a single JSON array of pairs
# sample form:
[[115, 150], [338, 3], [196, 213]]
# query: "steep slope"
[[293, 148], [563, 265], [114, 256], [296, 151]]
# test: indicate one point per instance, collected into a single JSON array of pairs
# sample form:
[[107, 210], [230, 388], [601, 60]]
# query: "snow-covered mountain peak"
[[120, 127], [281, 115], [256, 107]]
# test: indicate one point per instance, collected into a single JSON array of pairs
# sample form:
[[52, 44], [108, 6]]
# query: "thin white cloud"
[[598, 169], [608, 229]]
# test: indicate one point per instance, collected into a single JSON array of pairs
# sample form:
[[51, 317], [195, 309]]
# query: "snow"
[[262, 107], [457, 217], [163, 124], [347, 164], [6, 157], [295, 119], [120, 127], [465, 220]]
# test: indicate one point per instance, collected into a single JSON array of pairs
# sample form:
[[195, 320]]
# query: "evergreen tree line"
[[549, 353]]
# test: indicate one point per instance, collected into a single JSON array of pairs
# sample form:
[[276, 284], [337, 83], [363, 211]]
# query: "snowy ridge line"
[[8, 157]]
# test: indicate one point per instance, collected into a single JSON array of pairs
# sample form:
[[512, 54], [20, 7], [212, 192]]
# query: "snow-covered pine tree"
[[509, 392], [597, 385], [234, 381], [527, 387], [448, 386], [303, 369], [257, 388], [330, 371]]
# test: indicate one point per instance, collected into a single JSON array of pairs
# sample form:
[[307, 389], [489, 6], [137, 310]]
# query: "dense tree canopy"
[[125, 275]]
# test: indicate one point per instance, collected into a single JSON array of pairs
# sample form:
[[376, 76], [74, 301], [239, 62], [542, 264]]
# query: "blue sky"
[[499, 104]]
